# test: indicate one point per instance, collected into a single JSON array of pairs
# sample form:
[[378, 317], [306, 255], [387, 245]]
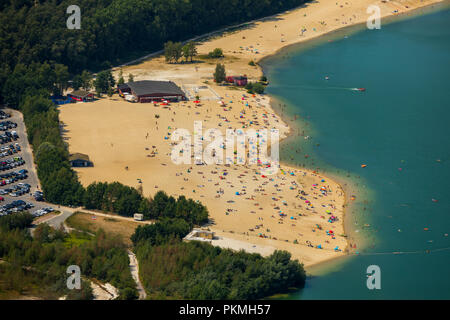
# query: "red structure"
[[238, 80], [81, 95]]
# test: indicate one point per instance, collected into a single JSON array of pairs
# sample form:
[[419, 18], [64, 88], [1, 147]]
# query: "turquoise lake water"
[[399, 127]]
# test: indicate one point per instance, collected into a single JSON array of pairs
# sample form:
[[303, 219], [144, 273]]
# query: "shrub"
[[255, 88], [216, 53]]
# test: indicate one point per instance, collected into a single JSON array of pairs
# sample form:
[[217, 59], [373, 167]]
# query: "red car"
[[2, 199]]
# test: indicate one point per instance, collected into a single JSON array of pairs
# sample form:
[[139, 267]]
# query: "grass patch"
[[77, 238], [83, 222], [80, 224]]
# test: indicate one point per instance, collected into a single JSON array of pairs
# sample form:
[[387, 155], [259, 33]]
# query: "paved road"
[[59, 220], [69, 211], [27, 156]]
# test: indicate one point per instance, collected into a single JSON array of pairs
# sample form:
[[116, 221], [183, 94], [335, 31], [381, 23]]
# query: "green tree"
[[219, 73], [110, 92], [61, 78], [86, 80], [255, 87], [42, 233], [177, 51], [104, 81], [173, 51], [216, 53], [169, 51], [121, 79], [189, 51], [129, 294], [258, 88], [77, 82]]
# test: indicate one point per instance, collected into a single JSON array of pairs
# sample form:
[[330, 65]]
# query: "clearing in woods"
[[90, 223]]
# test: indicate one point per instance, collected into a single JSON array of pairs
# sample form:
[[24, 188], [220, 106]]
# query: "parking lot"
[[18, 177]]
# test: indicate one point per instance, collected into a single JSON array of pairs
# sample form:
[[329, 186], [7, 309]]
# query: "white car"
[[38, 213]]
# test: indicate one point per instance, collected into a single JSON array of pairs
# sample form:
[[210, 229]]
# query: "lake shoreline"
[[344, 182], [109, 163]]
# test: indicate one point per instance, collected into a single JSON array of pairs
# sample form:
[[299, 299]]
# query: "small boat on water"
[[361, 89]]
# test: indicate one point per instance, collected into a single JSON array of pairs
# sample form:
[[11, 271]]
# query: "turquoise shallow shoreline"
[[398, 127]]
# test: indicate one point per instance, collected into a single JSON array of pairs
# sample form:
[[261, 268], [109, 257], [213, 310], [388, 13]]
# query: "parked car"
[[38, 196]]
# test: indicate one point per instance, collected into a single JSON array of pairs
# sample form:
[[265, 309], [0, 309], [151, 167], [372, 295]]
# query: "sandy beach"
[[130, 142]]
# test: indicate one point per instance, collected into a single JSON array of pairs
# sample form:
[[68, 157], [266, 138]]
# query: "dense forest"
[[113, 29], [161, 232], [173, 269], [37, 265]]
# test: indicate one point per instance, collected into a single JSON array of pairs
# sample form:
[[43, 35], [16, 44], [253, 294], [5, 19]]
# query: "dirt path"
[[103, 291], [134, 268]]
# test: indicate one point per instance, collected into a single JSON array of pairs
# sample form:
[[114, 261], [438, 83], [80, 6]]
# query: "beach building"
[[81, 95], [149, 90], [238, 80], [200, 235], [80, 160]]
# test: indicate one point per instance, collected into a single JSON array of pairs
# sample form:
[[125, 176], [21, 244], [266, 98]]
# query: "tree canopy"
[[220, 74], [111, 31]]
